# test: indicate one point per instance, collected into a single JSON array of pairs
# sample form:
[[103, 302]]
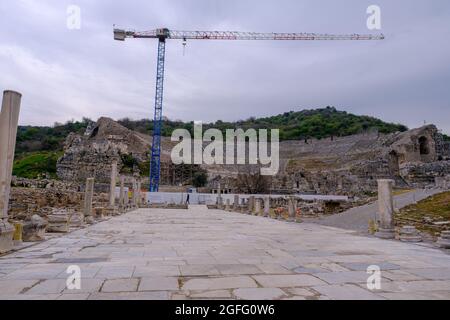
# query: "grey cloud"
[[66, 74]]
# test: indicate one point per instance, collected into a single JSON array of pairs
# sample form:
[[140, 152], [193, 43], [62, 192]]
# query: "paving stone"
[[115, 272], [199, 270], [48, 287], [400, 275], [300, 292], [346, 292], [210, 294], [259, 293], [237, 269], [273, 269], [152, 271], [286, 281], [151, 295], [355, 266], [74, 296], [120, 285], [13, 287], [158, 284], [432, 273], [343, 277], [87, 286], [219, 283]]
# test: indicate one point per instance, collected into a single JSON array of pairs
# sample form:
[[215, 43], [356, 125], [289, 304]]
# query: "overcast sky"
[[69, 74]]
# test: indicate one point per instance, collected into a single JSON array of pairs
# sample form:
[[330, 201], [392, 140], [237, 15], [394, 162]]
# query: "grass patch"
[[426, 213], [36, 165]]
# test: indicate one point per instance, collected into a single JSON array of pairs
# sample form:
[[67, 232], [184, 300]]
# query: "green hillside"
[[293, 125], [38, 148]]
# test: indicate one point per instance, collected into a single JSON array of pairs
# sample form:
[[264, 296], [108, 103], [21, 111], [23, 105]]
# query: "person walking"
[[187, 199]]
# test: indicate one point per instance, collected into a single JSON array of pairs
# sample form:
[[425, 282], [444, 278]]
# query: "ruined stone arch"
[[424, 146], [394, 163]]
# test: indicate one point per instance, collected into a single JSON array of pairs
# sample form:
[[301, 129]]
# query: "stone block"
[[34, 229], [58, 222], [444, 239], [409, 234], [6, 236]]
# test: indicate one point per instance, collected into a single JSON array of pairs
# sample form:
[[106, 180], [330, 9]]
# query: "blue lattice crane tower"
[[163, 34]]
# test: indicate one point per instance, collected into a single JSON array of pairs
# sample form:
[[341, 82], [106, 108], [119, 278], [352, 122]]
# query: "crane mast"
[[163, 34]]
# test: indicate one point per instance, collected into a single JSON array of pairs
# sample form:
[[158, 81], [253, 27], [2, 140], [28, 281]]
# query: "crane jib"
[[163, 33]]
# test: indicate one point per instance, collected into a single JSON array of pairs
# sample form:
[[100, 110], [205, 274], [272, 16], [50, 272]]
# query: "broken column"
[[88, 196], [112, 186], [227, 205], [236, 203], [122, 195], [291, 210], [251, 204], [257, 210], [111, 210], [138, 193], [409, 234], [385, 209], [444, 240], [133, 196], [34, 229], [266, 206], [9, 118]]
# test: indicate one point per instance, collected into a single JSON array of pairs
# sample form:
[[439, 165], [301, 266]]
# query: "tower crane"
[[164, 34]]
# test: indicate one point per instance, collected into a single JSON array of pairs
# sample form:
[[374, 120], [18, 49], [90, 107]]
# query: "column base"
[[6, 236], [443, 243], [385, 233]]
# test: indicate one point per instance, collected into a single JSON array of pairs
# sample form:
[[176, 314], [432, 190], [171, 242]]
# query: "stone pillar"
[[133, 197], [88, 196], [9, 118], [385, 209], [257, 207], [236, 202], [251, 204], [409, 234], [112, 188], [291, 209], [138, 193], [227, 205], [266, 206], [127, 198], [122, 194]]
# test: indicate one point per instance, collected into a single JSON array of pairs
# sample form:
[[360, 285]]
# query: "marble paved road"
[[200, 253]]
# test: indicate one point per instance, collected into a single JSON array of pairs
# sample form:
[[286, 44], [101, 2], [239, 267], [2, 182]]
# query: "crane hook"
[[184, 46]]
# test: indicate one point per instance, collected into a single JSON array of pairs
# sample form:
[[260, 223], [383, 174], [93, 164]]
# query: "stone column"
[[112, 188], [122, 194], [291, 209], [138, 193], [266, 206], [385, 209], [251, 204], [133, 197], [236, 202], [127, 197], [9, 118], [227, 205], [88, 196], [257, 207]]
